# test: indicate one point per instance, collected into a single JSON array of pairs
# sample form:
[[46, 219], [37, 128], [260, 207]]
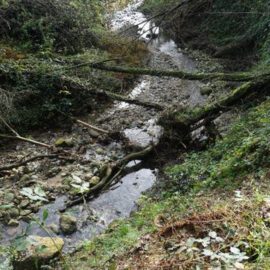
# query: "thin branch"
[[20, 138], [91, 126], [164, 13], [9, 127], [24, 162]]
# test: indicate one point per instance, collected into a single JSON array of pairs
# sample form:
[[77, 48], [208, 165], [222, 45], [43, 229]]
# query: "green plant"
[[230, 159]]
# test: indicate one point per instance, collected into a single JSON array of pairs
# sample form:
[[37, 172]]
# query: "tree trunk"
[[236, 76], [72, 84], [184, 120]]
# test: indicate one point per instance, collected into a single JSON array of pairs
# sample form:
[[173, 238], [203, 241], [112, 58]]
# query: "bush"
[[60, 25]]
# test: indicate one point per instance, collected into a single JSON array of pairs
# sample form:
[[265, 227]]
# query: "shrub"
[[51, 24]]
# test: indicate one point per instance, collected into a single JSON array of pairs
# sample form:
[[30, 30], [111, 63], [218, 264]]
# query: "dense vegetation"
[[228, 29], [39, 41], [212, 208]]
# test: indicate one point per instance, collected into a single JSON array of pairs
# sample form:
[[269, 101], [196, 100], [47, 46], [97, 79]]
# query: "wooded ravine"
[[134, 134]]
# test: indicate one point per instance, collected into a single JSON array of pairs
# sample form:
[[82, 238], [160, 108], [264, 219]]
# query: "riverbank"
[[211, 208]]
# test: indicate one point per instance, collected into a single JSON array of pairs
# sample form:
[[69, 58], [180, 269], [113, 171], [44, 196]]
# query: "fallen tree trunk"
[[235, 76], [184, 119], [74, 85]]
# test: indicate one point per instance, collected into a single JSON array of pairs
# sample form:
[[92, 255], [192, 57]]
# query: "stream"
[[139, 126]]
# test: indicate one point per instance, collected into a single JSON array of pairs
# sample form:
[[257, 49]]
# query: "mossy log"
[[79, 86], [184, 120], [235, 76]]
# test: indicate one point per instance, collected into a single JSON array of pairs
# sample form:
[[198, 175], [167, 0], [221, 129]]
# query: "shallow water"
[[94, 216]]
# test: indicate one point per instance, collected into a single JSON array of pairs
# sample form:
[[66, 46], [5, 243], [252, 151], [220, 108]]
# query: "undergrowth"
[[228, 179], [46, 40], [242, 25], [243, 150]]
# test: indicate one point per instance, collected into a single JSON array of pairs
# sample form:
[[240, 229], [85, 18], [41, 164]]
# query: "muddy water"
[[138, 125]]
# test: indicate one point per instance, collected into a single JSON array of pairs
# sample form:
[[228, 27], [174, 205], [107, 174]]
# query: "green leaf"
[[45, 215], [39, 191]]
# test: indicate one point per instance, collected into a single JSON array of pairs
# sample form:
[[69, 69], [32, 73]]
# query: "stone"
[[24, 203], [88, 177], [13, 223], [94, 180], [37, 252], [35, 206], [25, 178], [12, 212], [93, 133], [68, 224], [53, 171], [25, 212], [28, 218], [9, 197], [64, 142], [99, 151]]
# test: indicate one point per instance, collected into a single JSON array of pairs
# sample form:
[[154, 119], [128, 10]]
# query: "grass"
[[212, 176]]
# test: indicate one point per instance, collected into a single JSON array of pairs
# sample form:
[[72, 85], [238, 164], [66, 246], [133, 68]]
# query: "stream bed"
[[139, 127]]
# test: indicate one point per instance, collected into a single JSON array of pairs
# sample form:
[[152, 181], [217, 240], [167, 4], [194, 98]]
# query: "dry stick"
[[20, 138], [17, 136], [9, 127], [22, 163], [91, 126], [84, 123]]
